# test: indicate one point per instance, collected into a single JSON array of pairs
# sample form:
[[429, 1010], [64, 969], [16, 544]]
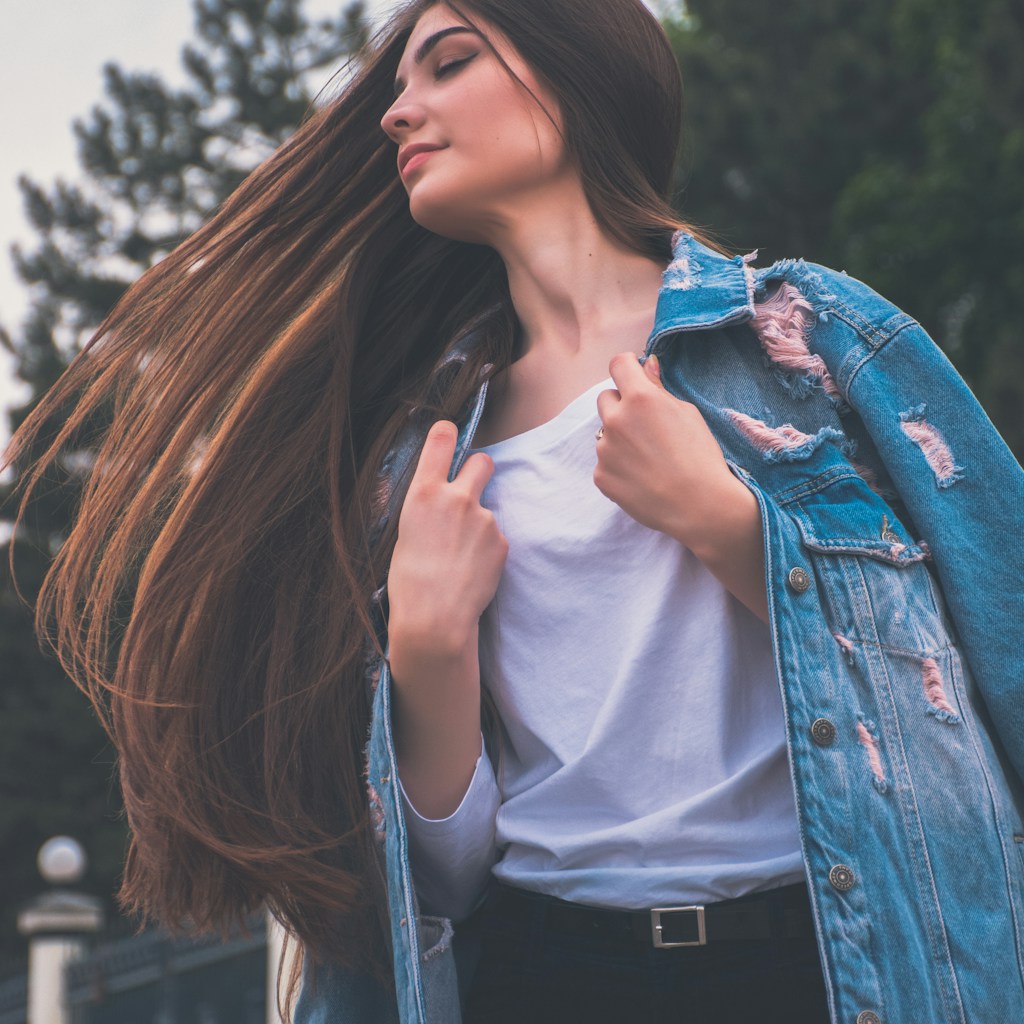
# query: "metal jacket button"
[[799, 579], [823, 732], [841, 877], [868, 1017]]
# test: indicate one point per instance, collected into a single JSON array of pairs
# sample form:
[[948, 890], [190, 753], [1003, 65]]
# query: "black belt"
[[777, 913]]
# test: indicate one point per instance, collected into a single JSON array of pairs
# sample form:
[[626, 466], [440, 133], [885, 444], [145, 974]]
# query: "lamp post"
[[56, 924]]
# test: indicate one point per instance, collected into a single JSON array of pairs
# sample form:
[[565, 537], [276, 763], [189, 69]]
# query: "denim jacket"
[[894, 552]]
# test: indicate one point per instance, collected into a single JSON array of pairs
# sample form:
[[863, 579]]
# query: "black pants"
[[533, 973]]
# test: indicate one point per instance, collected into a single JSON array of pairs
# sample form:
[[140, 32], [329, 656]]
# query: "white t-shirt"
[[645, 755]]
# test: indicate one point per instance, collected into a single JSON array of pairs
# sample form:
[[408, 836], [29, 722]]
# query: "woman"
[[670, 637]]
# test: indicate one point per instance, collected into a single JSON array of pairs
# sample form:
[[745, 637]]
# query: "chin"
[[448, 216]]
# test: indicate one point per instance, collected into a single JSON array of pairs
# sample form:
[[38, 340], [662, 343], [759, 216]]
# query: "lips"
[[407, 154]]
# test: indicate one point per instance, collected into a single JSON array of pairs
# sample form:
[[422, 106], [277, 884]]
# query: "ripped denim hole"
[[782, 324], [936, 693], [870, 744], [932, 445], [781, 444], [846, 645]]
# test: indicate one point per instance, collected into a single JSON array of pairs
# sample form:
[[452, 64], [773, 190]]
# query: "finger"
[[606, 401], [653, 369], [437, 452], [475, 473], [626, 371]]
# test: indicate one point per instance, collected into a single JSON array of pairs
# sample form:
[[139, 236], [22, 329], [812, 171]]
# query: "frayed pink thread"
[[935, 449], [376, 808], [847, 645], [874, 758], [373, 797], [932, 445], [782, 323], [765, 438], [933, 686]]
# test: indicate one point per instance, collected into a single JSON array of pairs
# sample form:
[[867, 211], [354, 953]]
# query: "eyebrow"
[[429, 43]]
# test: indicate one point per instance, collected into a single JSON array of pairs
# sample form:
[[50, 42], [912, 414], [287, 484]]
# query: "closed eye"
[[452, 65]]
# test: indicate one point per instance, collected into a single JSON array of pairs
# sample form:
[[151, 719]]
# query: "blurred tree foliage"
[[881, 137], [156, 163]]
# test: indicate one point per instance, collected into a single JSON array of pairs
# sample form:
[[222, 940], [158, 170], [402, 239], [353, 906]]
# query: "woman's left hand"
[[658, 460]]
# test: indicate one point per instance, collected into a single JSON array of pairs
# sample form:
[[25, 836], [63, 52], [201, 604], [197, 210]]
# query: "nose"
[[403, 116]]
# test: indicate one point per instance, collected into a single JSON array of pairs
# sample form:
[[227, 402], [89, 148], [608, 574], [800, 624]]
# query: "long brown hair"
[[213, 596]]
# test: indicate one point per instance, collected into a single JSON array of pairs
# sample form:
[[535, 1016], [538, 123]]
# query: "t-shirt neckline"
[[581, 408]]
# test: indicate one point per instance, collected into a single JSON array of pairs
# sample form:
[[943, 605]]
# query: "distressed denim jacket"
[[892, 518]]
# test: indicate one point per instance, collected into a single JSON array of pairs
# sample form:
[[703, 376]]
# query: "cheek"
[[499, 147], [516, 151], [504, 127]]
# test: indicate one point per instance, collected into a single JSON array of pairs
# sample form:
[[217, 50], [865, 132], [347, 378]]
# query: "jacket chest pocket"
[[873, 575]]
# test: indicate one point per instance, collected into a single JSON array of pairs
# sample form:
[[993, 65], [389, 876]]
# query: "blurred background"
[[881, 137]]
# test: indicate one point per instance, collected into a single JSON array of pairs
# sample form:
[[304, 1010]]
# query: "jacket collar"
[[702, 288]]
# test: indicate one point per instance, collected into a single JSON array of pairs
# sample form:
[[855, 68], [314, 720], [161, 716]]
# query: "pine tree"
[[156, 162], [882, 137]]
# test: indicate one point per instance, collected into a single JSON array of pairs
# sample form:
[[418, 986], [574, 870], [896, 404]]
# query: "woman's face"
[[493, 145]]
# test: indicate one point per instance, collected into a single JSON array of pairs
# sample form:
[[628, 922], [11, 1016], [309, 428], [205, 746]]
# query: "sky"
[[52, 54]]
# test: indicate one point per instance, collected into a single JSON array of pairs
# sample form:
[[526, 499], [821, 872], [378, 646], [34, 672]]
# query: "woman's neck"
[[573, 287]]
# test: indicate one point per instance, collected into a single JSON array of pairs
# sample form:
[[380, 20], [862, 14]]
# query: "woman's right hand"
[[449, 554], [444, 571]]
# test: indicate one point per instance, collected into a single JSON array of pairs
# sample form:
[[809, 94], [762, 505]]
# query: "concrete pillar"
[[275, 944]]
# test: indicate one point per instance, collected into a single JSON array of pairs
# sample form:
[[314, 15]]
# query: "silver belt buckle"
[[656, 912]]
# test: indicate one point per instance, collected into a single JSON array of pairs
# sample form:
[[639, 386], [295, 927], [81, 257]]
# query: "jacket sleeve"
[[961, 485]]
